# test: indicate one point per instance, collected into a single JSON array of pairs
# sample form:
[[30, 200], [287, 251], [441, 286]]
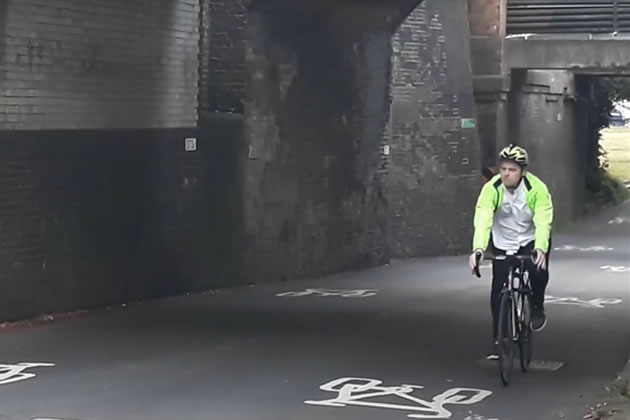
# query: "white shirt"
[[513, 225]]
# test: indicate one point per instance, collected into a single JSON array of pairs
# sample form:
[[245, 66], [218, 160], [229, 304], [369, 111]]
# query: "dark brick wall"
[[290, 178], [316, 108], [91, 218], [223, 71], [433, 174], [204, 56], [487, 20], [99, 64]]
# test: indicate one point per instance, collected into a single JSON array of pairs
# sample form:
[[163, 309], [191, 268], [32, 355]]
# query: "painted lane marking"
[[357, 293], [593, 303], [597, 248], [15, 373], [615, 268], [535, 365], [354, 391], [472, 416], [619, 221]]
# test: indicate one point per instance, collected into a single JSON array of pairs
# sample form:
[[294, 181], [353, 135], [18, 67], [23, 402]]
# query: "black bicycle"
[[514, 315]]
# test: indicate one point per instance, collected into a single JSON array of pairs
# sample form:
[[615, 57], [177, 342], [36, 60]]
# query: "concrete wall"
[[99, 64], [433, 171], [603, 56], [544, 119], [492, 103]]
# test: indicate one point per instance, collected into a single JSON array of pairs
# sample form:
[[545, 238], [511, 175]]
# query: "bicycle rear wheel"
[[525, 341], [506, 338]]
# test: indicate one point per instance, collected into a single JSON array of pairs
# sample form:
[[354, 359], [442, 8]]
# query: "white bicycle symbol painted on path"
[[357, 293], [615, 268], [593, 303], [619, 221], [355, 391], [15, 373], [584, 249]]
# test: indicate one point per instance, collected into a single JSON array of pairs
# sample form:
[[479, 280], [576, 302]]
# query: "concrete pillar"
[[544, 119], [490, 82], [491, 98]]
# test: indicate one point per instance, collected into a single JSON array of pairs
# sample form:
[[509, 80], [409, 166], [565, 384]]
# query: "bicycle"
[[514, 315]]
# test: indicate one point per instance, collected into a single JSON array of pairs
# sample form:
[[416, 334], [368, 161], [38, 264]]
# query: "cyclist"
[[515, 207]]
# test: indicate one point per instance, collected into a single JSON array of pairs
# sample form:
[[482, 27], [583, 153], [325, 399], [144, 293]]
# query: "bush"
[[603, 190]]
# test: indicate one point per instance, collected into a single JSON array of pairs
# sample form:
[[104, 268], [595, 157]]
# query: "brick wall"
[[297, 186], [224, 73], [487, 28], [433, 174], [99, 202], [99, 64], [316, 108], [90, 218], [487, 20]]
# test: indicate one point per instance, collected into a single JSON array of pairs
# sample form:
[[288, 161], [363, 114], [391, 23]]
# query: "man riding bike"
[[516, 208]]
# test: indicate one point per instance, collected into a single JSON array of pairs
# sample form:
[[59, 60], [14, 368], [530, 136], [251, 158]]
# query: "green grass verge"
[[616, 142]]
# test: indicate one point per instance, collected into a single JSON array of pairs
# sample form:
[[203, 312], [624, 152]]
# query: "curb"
[[625, 373]]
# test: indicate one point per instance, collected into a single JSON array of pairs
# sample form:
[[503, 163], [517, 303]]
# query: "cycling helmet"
[[515, 154]]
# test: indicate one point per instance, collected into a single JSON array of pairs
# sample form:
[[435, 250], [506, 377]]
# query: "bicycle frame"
[[517, 285]]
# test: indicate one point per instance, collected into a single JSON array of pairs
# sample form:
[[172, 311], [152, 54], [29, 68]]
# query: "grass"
[[616, 142], [606, 188]]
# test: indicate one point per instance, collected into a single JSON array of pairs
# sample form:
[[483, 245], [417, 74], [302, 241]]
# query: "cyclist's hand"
[[476, 256], [541, 260]]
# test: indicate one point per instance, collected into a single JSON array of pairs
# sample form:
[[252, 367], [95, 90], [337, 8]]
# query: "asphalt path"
[[402, 341]]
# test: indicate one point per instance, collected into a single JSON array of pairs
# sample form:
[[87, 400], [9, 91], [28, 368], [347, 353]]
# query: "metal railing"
[[568, 16]]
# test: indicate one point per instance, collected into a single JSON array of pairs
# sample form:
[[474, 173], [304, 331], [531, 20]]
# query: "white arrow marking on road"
[[354, 391]]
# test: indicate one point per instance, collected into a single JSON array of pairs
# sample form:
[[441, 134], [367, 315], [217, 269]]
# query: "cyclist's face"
[[511, 174]]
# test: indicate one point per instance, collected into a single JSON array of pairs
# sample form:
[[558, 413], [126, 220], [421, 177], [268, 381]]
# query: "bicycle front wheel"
[[526, 345], [506, 338]]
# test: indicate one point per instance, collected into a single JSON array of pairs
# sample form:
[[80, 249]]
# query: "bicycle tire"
[[525, 341], [506, 339]]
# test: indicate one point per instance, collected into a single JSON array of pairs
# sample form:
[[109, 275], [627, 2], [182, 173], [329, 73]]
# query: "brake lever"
[[476, 270]]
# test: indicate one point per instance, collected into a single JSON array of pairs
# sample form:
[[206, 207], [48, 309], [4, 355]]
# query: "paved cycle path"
[[396, 342]]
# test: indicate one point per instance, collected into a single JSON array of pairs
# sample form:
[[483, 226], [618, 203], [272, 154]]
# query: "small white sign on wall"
[[190, 144]]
